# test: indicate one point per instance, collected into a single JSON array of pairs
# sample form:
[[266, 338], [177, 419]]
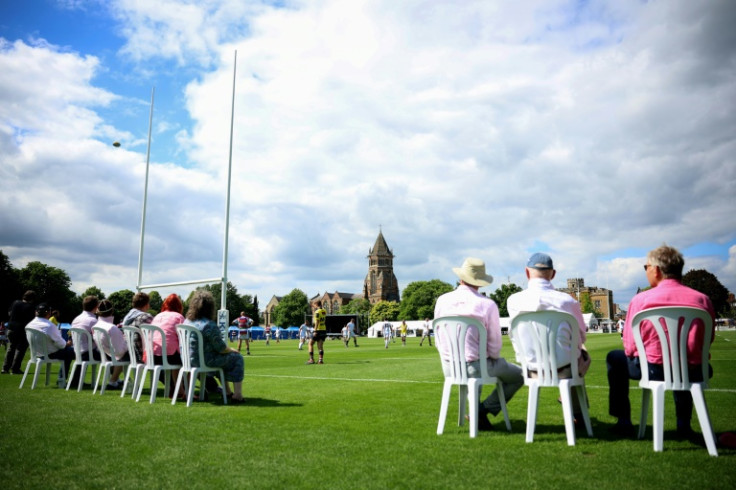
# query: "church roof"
[[380, 247]]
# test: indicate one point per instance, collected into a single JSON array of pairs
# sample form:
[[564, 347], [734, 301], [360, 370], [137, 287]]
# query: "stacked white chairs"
[[538, 331], [107, 364], [39, 346], [148, 331], [78, 334], [450, 333], [134, 366], [186, 334], [673, 340]]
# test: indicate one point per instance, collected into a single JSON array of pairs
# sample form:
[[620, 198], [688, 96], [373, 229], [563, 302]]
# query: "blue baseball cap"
[[540, 261]]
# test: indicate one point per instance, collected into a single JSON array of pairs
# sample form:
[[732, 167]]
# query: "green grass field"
[[365, 419]]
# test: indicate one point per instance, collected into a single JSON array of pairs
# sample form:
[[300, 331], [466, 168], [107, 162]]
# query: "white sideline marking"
[[410, 381]]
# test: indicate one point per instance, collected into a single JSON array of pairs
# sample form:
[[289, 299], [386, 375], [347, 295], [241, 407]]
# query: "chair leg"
[[583, 400], [473, 391], [141, 383], [82, 375], [71, 375], [222, 382], [443, 407], [154, 383], [176, 387], [462, 404], [701, 408], [502, 402], [531, 411], [566, 397], [28, 368], [658, 417], [646, 395], [48, 373], [36, 372]]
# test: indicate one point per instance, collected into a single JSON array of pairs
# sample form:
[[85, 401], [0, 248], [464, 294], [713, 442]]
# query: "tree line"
[[53, 286]]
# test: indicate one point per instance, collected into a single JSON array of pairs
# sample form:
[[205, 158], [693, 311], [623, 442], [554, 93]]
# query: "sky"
[[594, 131]]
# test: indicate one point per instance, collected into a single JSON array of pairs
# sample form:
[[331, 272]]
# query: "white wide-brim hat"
[[473, 272]]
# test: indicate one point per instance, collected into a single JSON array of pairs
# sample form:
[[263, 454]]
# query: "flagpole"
[[145, 194]]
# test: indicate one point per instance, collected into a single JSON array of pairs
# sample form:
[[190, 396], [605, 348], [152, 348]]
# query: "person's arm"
[[55, 335]]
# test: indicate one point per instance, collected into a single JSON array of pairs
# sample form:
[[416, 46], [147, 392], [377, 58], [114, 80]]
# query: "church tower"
[[380, 283]]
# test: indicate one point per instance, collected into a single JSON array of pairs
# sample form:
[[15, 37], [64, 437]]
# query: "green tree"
[[360, 306], [291, 309], [586, 305], [10, 287], [234, 301], [501, 295], [93, 291], [52, 285], [122, 301], [708, 284], [388, 310], [419, 298], [256, 311], [155, 299], [250, 307]]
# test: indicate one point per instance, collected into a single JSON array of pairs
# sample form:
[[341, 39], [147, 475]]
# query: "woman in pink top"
[[168, 319]]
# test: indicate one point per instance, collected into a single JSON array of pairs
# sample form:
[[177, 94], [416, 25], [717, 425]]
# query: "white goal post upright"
[[222, 313]]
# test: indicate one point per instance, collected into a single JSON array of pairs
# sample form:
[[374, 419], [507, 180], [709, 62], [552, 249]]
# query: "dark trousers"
[[622, 368], [85, 357], [67, 355], [17, 347]]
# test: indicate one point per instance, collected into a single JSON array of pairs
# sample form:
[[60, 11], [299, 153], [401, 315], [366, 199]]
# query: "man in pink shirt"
[[664, 273], [467, 301]]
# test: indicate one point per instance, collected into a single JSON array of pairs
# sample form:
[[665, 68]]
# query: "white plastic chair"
[[537, 332], [130, 333], [450, 332], [77, 334], [102, 338], [147, 331], [674, 362], [39, 346], [185, 333]]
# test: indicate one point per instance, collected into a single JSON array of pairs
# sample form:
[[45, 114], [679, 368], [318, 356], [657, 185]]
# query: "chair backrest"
[[187, 334], [537, 332], [450, 333], [147, 332], [104, 342], [678, 322], [38, 342], [131, 333], [79, 333]]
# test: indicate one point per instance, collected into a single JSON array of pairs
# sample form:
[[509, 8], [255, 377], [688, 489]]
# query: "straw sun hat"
[[473, 272]]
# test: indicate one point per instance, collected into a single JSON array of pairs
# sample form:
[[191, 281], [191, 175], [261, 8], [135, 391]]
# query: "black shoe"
[[622, 430], [17, 371], [4, 372], [484, 425]]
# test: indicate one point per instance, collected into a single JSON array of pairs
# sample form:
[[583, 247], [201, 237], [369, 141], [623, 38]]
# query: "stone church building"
[[380, 283]]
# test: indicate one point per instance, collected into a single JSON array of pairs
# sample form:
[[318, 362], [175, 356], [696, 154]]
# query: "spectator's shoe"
[[4, 372], [624, 431], [311, 361], [115, 385], [484, 425], [17, 371]]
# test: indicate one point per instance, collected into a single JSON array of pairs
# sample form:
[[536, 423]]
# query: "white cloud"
[[479, 128]]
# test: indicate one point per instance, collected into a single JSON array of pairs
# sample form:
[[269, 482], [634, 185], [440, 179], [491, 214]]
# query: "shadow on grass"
[[266, 403]]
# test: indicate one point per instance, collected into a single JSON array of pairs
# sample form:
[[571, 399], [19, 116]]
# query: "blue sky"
[[594, 131]]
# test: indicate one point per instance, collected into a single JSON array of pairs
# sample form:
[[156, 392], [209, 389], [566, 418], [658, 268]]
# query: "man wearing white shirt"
[[467, 301], [86, 320], [59, 348], [541, 295]]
